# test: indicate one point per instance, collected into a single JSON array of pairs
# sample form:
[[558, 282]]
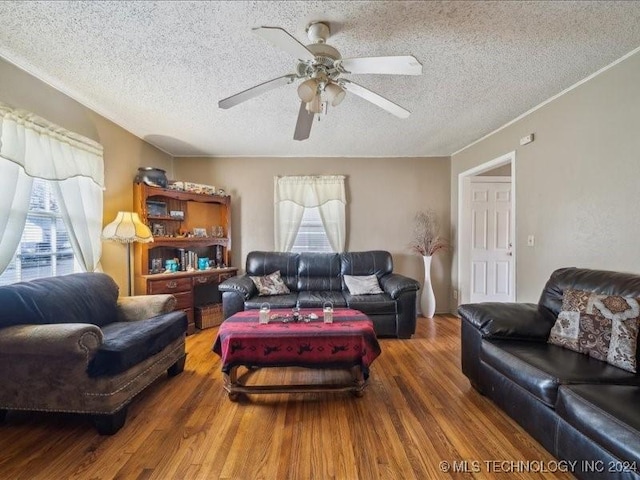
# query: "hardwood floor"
[[417, 412]]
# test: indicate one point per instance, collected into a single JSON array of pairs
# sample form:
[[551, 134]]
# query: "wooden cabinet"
[[175, 217]]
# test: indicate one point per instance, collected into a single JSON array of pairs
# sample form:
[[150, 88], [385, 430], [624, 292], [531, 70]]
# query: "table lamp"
[[127, 228]]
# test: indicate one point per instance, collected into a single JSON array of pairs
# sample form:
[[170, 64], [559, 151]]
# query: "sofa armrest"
[[59, 339], [241, 284], [141, 307], [522, 321], [395, 284]]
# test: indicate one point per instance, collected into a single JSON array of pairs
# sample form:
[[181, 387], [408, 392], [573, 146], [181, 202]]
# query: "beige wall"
[[383, 195], [577, 184], [501, 171], [123, 152]]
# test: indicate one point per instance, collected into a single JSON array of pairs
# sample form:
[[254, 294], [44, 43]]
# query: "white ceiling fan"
[[321, 66]]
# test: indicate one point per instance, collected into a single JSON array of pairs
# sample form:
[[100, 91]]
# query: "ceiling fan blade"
[[234, 100], [401, 65], [284, 41], [304, 123], [374, 98]]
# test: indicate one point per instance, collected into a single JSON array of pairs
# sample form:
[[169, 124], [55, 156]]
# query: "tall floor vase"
[[427, 298]]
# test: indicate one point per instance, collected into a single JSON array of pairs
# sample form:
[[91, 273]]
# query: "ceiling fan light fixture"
[[316, 105], [308, 90], [320, 68], [335, 94]]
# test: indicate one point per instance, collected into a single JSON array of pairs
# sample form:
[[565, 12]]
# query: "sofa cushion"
[[75, 298], [607, 414], [259, 264], [316, 299], [541, 367], [604, 327], [319, 271], [362, 284], [271, 284], [375, 262], [126, 344], [274, 301], [380, 304]]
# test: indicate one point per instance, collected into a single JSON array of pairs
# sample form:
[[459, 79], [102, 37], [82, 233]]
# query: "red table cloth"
[[347, 342]]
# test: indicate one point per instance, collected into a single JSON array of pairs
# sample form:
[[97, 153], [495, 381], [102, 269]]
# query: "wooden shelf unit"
[[200, 211]]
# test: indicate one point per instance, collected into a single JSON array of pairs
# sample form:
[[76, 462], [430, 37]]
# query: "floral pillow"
[[604, 327], [271, 284]]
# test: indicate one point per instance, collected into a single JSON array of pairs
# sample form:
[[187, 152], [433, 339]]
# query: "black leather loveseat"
[[581, 409], [316, 278]]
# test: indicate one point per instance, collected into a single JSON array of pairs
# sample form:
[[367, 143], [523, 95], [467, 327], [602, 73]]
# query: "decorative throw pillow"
[[362, 285], [271, 284], [604, 327]]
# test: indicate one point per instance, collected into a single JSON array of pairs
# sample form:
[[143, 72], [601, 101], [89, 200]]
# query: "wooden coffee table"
[[348, 343]]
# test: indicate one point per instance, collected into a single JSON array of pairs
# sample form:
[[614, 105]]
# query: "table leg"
[[230, 382], [358, 380]]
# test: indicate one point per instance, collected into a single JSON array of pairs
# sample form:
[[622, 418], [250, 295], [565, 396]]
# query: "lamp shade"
[[335, 94], [127, 228], [307, 90]]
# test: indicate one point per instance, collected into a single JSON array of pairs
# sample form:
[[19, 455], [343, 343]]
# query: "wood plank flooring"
[[417, 412]]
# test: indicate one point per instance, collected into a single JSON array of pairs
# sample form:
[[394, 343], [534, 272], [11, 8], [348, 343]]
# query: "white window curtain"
[[292, 194], [33, 147]]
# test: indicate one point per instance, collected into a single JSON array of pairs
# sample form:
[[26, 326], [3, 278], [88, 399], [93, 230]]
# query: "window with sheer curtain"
[[311, 237], [51, 184], [310, 213], [44, 249]]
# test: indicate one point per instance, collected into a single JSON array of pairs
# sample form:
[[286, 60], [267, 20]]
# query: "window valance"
[[46, 150], [310, 191]]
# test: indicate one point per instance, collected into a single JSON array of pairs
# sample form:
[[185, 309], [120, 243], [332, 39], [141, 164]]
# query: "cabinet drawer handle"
[[202, 279], [172, 284]]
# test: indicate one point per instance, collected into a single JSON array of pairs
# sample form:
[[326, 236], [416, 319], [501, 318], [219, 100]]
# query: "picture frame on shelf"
[[156, 209], [177, 214], [199, 232], [158, 230], [156, 265]]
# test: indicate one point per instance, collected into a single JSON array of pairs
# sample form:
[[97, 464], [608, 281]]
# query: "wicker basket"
[[208, 316]]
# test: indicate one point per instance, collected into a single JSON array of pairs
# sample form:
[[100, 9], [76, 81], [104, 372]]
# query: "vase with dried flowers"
[[426, 242]]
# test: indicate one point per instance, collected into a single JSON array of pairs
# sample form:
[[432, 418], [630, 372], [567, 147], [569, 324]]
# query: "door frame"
[[464, 232]]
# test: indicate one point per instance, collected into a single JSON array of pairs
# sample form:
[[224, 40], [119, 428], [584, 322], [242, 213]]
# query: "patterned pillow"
[[362, 285], [604, 327], [271, 284]]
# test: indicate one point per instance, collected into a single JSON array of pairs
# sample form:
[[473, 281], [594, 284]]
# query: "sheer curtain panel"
[[31, 147], [292, 194]]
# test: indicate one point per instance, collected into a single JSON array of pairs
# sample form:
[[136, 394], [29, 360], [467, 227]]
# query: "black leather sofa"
[[316, 278], [582, 410]]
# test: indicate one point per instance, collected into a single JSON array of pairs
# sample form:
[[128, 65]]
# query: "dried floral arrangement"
[[426, 234]]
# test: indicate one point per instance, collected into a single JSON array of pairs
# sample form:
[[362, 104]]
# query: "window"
[[311, 236], [44, 249], [298, 201]]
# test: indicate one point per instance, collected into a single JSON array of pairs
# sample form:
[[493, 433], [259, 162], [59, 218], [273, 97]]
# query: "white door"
[[491, 242]]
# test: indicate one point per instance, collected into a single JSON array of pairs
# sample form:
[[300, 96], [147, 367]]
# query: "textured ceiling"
[[158, 69]]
